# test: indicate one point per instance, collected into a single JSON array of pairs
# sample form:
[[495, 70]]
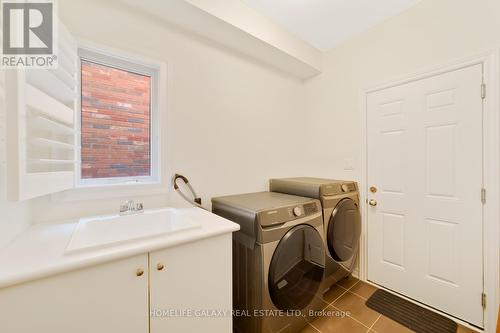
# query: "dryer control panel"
[[312, 187], [338, 188]]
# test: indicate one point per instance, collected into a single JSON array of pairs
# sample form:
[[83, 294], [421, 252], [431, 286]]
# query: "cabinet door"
[[105, 298], [193, 291]]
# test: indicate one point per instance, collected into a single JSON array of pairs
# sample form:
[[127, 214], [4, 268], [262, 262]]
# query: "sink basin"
[[101, 231]]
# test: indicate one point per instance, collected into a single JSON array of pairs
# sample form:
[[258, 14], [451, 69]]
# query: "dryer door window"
[[344, 231], [296, 268]]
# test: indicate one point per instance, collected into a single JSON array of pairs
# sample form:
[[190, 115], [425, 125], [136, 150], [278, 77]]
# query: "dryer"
[[278, 260], [341, 219]]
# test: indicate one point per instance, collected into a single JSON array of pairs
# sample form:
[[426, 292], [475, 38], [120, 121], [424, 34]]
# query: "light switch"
[[348, 165]]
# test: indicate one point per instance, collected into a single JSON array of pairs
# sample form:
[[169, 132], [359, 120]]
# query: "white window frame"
[[137, 66]]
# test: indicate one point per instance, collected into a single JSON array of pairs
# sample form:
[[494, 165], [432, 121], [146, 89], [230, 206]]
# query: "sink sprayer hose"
[[195, 200]]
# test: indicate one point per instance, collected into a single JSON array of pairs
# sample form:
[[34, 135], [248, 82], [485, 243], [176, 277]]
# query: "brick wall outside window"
[[115, 122]]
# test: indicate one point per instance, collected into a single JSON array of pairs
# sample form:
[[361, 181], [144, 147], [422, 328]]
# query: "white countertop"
[[41, 250]]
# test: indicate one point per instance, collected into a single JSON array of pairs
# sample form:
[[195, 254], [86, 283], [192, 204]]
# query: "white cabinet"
[[119, 296], [104, 298], [191, 287]]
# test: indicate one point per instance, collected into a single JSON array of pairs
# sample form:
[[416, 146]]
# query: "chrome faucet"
[[130, 207]]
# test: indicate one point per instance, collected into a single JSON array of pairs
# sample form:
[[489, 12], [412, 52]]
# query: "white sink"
[[101, 231]]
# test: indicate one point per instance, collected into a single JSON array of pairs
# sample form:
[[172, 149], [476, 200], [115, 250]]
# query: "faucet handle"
[[129, 207]]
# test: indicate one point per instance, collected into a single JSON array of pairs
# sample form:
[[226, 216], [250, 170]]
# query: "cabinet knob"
[[160, 266], [139, 272]]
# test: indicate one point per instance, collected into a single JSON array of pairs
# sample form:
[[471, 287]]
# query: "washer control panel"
[[288, 213]]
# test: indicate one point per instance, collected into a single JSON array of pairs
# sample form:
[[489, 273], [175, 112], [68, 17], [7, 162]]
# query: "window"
[[117, 121]]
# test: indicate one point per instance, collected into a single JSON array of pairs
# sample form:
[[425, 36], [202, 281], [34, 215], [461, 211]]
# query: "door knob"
[[372, 202], [160, 266], [139, 272]]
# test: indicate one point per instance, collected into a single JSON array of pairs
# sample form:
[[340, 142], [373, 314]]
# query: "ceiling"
[[326, 23]]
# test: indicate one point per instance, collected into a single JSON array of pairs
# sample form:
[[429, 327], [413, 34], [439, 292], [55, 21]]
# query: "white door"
[[425, 219]]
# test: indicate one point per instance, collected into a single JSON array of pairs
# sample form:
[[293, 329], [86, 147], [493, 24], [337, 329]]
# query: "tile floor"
[[350, 295]]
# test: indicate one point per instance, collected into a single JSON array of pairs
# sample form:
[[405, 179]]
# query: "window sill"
[[97, 185], [111, 191]]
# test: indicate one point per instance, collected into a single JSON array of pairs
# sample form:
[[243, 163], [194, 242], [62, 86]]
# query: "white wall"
[[230, 124], [14, 217], [259, 25], [433, 33], [239, 27]]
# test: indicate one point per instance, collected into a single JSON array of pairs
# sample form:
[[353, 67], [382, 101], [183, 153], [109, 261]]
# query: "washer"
[[341, 216], [278, 260]]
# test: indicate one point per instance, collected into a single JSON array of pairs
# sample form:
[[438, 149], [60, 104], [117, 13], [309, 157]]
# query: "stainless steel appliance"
[[341, 217], [278, 260]]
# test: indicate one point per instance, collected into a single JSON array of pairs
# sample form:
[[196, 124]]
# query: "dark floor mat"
[[410, 315]]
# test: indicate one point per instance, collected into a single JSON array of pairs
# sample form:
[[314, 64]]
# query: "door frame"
[[491, 166]]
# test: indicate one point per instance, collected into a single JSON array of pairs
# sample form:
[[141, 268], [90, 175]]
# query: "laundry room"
[[249, 166]]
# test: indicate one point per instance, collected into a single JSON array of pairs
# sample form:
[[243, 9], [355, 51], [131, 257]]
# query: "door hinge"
[[483, 90], [483, 300], [483, 195]]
